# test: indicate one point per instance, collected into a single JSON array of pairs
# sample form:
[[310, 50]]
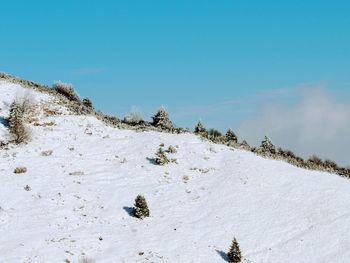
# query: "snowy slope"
[[277, 212]]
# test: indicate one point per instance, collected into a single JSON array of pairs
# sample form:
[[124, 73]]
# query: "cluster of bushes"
[[26, 83], [230, 138], [76, 105], [268, 149], [69, 96], [109, 119], [161, 155], [85, 106], [160, 121]]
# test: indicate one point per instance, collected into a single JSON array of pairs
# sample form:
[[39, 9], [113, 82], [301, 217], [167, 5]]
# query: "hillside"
[[83, 175]]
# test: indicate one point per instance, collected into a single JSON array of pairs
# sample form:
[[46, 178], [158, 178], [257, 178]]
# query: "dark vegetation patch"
[[161, 122]]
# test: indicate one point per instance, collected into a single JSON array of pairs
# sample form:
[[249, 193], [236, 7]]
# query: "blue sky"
[[220, 61]]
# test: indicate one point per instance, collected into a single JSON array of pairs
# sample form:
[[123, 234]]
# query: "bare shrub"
[[50, 112], [109, 119], [290, 157], [67, 90], [299, 159], [214, 133], [161, 158], [290, 154], [286, 153], [133, 117], [16, 121], [171, 149], [234, 254], [20, 170], [330, 164], [315, 160], [141, 208]]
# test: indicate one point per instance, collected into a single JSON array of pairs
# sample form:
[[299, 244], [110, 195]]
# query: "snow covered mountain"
[[73, 200]]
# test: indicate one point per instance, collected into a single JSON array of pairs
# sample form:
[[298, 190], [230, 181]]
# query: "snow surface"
[[277, 212]]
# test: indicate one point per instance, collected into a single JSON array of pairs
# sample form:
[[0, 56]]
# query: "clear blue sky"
[[214, 60]]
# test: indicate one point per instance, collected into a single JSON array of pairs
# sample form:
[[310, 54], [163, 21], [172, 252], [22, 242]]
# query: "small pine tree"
[[161, 119], [141, 208], [267, 146], [234, 255], [87, 103], [231, 136], [200, 128], [161, 157]]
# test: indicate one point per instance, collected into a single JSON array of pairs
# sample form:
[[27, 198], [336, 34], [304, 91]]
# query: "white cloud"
[[222, 114], [318, 123]]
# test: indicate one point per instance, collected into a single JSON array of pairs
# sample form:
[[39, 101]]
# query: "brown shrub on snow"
[[66, 90], [16, 121]]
